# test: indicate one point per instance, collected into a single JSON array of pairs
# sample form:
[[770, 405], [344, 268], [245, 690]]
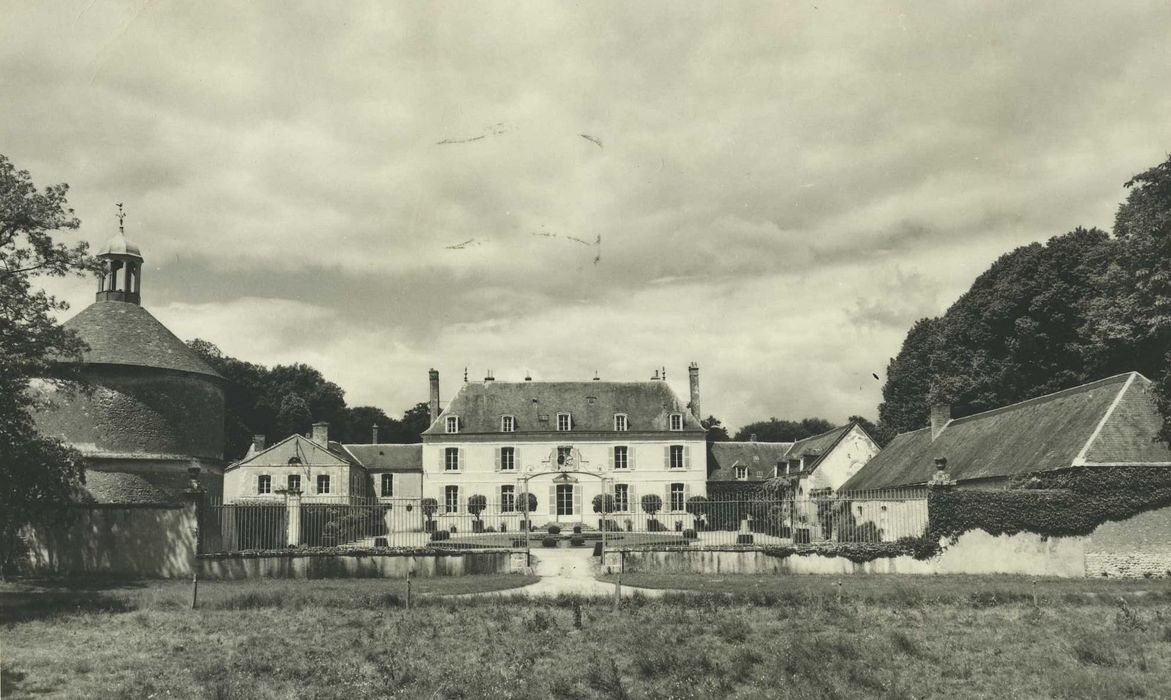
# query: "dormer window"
[[507, 424], [564, 421], [620, 422], [675, 421], [453, 424], [741, 472]]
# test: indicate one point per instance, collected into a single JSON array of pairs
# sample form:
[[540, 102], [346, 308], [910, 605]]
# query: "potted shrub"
[[652, 504], [697, 506], [577, 529], [430, 506], [603, 503], [576, 541], [689, 534], [549, 542], [476, 505], [554, 529]]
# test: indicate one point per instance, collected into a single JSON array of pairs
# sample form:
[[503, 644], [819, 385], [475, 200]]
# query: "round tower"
[[152, 409]]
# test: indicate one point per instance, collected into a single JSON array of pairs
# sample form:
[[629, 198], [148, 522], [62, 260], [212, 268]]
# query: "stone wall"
[[123, 540], [311, 566], [1132, 548]]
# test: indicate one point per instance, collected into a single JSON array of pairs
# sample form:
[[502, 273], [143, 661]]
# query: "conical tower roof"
[[119, 333]]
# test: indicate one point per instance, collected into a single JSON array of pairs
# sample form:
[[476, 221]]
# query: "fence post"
[[195, 494], [617, 591], [293, 517]]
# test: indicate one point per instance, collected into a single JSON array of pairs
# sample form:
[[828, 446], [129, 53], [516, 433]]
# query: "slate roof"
[[1111, 421], [386, 457], [759, 457], [816, 447], [307, 450], [592, 404], [121, 333]]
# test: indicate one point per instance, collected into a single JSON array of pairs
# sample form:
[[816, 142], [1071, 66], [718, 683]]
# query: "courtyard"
[[759, 636]]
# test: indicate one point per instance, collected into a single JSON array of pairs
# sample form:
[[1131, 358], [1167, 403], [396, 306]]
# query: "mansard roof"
[[386, 457], [592, 405], [1109, 422], [120, 333]]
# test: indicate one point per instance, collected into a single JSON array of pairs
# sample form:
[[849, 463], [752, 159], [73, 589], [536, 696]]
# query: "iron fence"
[[279, 522]]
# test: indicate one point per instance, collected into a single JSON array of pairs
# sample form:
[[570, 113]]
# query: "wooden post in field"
[[617, 591], [839, 591], [194, 589], [1036, 603], [408, 591]]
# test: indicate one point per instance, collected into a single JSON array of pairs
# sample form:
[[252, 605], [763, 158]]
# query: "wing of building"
[[1110, 422]]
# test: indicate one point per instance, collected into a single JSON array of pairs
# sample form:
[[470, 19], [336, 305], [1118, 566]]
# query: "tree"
[[38, 475], [430, 506], [880, 435], [359, 423], [526, 503], [697, 506], [293, 417], [775, 430], [716, 432], [603, 503], [651, 504], [477, 504], [908, 379]]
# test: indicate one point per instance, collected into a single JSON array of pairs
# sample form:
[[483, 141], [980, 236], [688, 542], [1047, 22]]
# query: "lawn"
[[890, 637]]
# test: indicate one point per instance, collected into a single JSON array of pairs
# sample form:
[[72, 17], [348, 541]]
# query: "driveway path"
[[568, 570]]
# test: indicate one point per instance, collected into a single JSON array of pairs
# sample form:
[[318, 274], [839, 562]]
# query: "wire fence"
[[755, 519]]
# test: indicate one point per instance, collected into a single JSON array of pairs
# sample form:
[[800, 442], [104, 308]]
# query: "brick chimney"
[[374, 434], [321, 433], [257, 443], [940, 417], [693, 375], [433, 406]]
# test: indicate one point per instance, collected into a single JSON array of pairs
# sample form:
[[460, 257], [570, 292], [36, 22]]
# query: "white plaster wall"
[[850, 454]]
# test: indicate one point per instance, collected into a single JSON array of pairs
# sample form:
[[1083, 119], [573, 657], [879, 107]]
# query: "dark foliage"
[[777, 430]]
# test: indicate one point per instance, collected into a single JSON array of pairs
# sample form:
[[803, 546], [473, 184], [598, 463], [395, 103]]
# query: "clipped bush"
[[549, 542], [577, 529], [609, 526], [744, 538], [689, 534], [554, 530], [576, 541]]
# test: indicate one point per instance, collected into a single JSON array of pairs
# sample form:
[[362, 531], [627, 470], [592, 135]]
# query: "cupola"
[[121, 273]]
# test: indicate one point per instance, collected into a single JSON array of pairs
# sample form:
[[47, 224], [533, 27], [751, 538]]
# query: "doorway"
[[564, 499]]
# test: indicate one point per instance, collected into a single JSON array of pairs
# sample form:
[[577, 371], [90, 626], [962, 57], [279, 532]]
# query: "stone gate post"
[[293, 517]]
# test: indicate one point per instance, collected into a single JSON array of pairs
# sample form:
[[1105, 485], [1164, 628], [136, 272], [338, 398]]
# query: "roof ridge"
[[1044, 398]]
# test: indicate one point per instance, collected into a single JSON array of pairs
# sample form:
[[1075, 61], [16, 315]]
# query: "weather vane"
[[121, 218]]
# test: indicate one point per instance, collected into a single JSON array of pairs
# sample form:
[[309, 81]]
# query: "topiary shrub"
[[554, 530], [576, 541], [549, 542], [577, 529]]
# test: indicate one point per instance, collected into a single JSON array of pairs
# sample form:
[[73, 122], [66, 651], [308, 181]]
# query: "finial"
[[121, 219]]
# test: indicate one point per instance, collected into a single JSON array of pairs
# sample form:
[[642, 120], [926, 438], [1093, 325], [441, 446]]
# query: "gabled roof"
[[592, 405], [816, 447], [120, 333], [1112, 421], [300, 447], [759, 457], [386, 457]]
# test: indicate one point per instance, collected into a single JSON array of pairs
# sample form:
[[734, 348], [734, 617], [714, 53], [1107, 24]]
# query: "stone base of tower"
[[139, 481]]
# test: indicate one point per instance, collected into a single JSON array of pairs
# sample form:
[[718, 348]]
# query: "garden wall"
[[139, 541], [310, 566]]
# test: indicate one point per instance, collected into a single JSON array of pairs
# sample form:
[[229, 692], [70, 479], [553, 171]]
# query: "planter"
[[577, 529], [429, 526], [477, 526], [576, 541], [689, 534], [598, 549], [743, 538], [549, 542]]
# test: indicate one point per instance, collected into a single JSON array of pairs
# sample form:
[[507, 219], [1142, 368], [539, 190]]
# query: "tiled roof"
[[816, 447], [759, 457], [121, 333], [301, 447], [1110, 421], [385, 457], [592, 405]]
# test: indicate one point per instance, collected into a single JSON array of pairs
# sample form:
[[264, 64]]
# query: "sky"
[[776, 191]]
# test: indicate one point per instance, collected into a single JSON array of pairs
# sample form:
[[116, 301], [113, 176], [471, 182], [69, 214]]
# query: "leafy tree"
[[651, 504], [775, 430], [477, 504], [716, 431], [880, 435], [697, 506], [603, 503], [526, 503], [430, 506], [359, 422], [38, 475], [908, 380], [293, 417]]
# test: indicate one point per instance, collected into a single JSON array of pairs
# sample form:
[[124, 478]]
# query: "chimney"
[[489, 377], [257, 443], [321, 433], [596, 377], [528, 377], [374, 434], [433, 406], [940, 417], [656, 377], [693, 374]]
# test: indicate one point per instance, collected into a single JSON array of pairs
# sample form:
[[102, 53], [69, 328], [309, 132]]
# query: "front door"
[[564, 499]]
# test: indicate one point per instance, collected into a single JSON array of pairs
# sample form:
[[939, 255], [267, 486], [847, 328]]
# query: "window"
[[676, 421], [264, 484], [323, 483], [677, 492], [453, 424], [564, 499], [620, 422], [676, 457], [507, 424], [507, 459], [564, 421], [388, 485], [450, 499], [622, 457], [563, 454], [741, 471], [451, 459], [294, 483], [507, 499], [622, 498]]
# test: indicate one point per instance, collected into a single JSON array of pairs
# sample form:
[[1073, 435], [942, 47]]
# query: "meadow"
[[760, 636]]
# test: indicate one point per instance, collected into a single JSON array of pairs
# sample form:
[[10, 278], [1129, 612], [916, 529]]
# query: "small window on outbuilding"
[[322, 483], [264, 484], [741, 472]]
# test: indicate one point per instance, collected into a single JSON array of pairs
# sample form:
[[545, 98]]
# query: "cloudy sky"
[[774, 190]]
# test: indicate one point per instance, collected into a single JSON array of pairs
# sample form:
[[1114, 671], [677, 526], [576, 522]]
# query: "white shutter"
[[667, 457], [439, 465], [498, 459], [516, 459], [632, 503], [462, 466], [630, 457], [553, 499], [578, 497], [686, 494], [667, 497], [687, 457], [612, 450]]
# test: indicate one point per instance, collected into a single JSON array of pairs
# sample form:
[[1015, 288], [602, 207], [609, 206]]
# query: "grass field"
[[890, 637]]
